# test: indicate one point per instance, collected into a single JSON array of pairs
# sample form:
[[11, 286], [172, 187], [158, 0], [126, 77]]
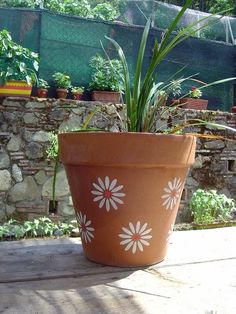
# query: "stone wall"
[[26, 173]]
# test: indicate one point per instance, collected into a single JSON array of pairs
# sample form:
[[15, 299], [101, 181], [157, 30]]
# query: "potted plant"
[[106, 79], [194, 101], [126, 186], [62, 83], [210, 209], [77, 92], [18, 66], [42, 88]]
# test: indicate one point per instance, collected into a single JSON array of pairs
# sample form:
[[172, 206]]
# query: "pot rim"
[[126, 149]]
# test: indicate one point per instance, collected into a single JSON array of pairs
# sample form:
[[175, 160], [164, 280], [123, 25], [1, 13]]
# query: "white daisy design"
[[86, 231], [107, 193], [172, 193], [135, 237]]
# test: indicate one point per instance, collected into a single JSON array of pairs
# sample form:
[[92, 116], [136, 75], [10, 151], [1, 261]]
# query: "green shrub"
[[208, 206], [107, 74], [41, 227], [52, 149], [62, 80]]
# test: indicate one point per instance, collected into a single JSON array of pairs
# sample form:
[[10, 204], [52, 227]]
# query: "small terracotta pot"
[[42, 92], [77, 96], [105, 96], [126, 189], [61, 93], [193, 103], [233, 109], [15, 88]]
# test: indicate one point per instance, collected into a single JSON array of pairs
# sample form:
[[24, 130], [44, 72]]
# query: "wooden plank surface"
[[52, 276]]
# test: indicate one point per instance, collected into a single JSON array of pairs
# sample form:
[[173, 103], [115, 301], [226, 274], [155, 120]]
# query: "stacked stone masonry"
[[26, 173]]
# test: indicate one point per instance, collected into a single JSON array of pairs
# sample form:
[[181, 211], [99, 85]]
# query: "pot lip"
[[16, 82], [125, 134], [62, 89], [106, 91], [195, 99], [44, 89], [126, 149]]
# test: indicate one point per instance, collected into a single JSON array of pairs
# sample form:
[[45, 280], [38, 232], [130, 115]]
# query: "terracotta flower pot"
[[233, 109], [194, 103], [105, 96], [126, 189], [42, 92], [15, 88], [77, 96], [61, 93]]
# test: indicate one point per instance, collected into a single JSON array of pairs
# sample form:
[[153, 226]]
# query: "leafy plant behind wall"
[[107, 74], [16, 62], [209, 206]]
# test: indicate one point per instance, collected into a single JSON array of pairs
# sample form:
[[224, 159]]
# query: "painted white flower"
[[172, 193], [135, 237], [108, 193], [86, 231]]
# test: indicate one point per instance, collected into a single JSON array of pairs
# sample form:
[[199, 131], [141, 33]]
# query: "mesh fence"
[[162, 14], [67, 43]]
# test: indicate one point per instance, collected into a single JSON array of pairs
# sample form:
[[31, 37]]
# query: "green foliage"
[[41, 227], [19, 3], [105, 11], [212, 6], [208, 206], [42, 83], [195, 93], [107, 74], [142, 93], [220, 5], [62, 80], [77, 89], [52, 150], [16, 62]]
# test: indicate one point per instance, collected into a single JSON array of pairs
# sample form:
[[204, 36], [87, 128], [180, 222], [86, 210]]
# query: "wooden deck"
[[52, 276]]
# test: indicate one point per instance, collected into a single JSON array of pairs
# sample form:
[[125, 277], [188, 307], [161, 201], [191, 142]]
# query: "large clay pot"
[[126, 189], [105, 96], [194, 103], [15, 88]]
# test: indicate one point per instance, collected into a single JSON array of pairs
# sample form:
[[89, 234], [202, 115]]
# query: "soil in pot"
[[126, 200]]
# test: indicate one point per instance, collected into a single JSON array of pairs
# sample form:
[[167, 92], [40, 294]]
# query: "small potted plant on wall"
[[18, 67], [62, 83], [194, 101], [77, 92], [106, 83], [42, 88]]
